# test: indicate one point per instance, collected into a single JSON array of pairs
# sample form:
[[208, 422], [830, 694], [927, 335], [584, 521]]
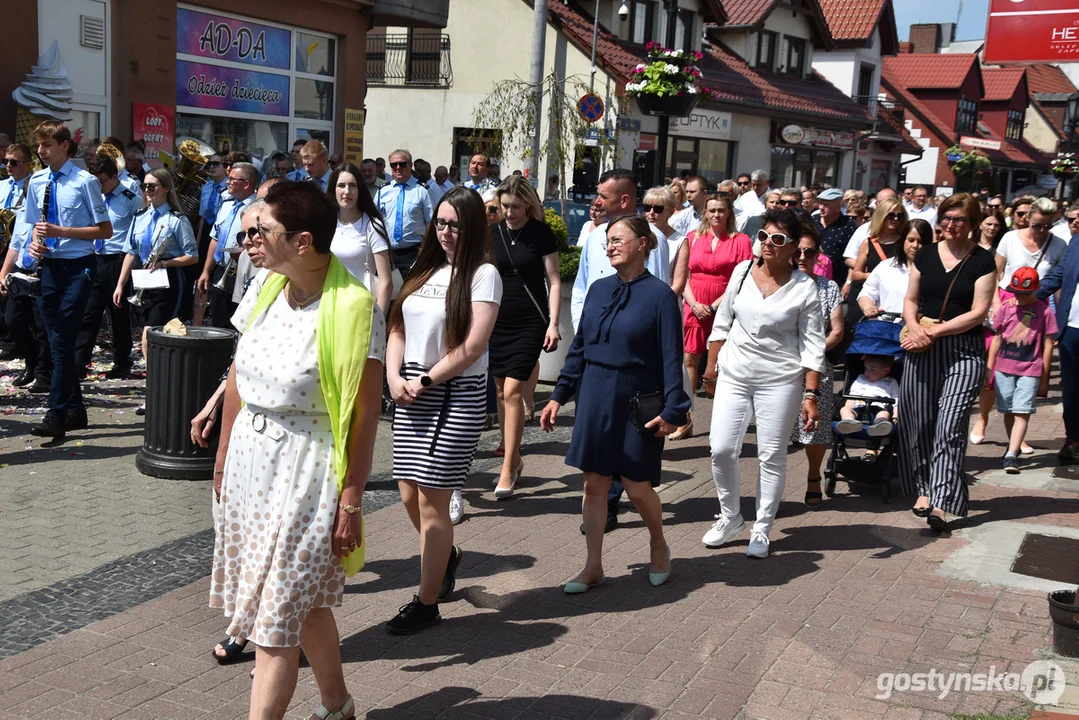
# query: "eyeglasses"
[[654, 208], [1073, 218], [492, 210], [790, 203], [892, 216], [808, 252], [1021, 213], [150, 187], [236, 179], [261, 230], [1040, 227], [213, 163], [776, 239], [996, 206], [724, 193], [743, 182], [614, 242], [399, 165], [953, 220], [453, 226], [12, 162], [248, 234]]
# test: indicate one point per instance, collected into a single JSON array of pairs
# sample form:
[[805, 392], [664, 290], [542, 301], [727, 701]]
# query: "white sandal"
[[345, 713]]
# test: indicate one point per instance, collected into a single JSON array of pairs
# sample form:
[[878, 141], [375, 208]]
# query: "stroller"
[[872, 336]]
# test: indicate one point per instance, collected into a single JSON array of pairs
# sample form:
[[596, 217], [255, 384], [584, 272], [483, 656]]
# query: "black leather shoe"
[[449, 580], [414, 617], [118, 372], [50, 427], [24, 379], [75, 421], [7, 354], [612, 523], [40, 387]]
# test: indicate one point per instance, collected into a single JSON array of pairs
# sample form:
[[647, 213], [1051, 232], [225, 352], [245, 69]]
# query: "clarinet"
[[46, 200]]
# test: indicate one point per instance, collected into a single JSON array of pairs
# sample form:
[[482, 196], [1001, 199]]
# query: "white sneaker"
[[880, 429], [723, 531], [457, 507], [758, 545], [848, 427]]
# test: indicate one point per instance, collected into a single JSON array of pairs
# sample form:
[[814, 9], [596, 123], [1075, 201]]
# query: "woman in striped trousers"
[[951, 283]]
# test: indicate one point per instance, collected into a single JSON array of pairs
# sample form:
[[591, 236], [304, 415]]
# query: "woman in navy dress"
[[629, 341]]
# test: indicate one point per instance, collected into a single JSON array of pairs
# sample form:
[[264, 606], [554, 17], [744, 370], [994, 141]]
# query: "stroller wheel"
[[829, 484]]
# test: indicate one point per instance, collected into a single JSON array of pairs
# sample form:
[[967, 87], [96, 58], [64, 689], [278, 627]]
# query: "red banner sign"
[[155, 125], [1032, 31]]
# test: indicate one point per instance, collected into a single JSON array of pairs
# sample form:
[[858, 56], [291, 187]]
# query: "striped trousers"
[[937, 390]]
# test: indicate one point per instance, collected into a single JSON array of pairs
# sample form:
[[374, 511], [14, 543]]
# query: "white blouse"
[[770, 339], [887, 286], [355, 245]]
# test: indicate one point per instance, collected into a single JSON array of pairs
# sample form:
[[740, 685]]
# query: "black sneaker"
[[24, 379], [75, 420], [414, 617], [118, 372], [40, 387], [50, 427], [449, 580], [1011, 464]]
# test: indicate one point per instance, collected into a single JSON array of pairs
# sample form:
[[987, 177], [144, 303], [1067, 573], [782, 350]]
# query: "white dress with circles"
[[272, 553]]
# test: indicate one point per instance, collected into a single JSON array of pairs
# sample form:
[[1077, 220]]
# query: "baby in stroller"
[[860, 412]]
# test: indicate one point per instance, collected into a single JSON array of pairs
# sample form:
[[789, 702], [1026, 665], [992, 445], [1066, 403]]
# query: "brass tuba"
[[8, 217], [190, 171]]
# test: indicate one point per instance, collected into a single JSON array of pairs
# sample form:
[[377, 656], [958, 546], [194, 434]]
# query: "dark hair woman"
[[951, 282], [628, 345], [300, 413], [436, 365], [360, 242], [769, 333]]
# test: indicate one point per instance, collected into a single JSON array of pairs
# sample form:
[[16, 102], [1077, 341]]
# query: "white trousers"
[[776, 409]]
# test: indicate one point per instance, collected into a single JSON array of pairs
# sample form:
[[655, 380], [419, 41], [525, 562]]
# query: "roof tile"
[[852, 19], [1001, 82], [1045, 78], [746, 12], [930, 71]]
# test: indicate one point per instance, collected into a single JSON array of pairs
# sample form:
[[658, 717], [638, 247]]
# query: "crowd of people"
[[341, 281]]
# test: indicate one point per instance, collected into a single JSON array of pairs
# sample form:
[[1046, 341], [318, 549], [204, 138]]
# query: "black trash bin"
[[183, 372]]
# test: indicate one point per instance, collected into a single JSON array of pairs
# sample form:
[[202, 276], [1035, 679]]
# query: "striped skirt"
[[938, 387], [435, 438]]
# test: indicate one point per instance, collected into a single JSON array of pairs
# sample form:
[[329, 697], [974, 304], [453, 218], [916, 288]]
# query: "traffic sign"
[[591, 107]]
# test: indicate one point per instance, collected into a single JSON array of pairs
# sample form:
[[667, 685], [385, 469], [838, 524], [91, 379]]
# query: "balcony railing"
[[888, 115], [409, 60]]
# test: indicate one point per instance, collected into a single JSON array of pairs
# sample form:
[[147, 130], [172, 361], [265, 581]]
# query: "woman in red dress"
[[714, 250]]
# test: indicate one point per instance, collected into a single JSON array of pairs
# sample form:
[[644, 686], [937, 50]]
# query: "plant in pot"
[[1064, 165], [669, 83], [967, 166]]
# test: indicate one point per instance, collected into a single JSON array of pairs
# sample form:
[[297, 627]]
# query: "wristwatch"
[[351, 509], [425, 380]]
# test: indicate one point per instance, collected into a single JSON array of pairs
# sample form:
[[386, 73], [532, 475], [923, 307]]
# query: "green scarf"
[[344, 335]]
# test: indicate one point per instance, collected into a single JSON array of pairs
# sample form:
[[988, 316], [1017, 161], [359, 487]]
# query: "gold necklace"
[[301, 305]]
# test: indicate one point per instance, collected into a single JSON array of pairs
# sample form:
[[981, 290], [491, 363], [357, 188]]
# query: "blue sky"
[[971, 24]]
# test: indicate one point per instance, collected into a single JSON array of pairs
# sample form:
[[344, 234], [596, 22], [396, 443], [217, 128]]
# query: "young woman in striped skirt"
[[952, 281], [436, 365]]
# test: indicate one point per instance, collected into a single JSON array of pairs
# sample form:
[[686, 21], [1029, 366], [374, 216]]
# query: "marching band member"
[[161, 223], [122, 204], [62, 243], [242, 183]]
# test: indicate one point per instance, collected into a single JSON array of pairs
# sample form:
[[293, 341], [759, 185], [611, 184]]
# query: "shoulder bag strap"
[[878, 248], [742, 282], [947, 296], [516, 272]]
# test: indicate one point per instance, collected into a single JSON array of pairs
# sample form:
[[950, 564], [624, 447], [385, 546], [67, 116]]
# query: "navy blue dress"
[[629, 340]]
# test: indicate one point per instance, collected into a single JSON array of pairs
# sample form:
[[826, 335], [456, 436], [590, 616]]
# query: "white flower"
[[691, 89], [671, 69]]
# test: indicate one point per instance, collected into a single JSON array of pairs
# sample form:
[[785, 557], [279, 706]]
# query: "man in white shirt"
[[908, 194], [919, 209], [689, 218], [440, 183], [752, 202], [1068, 225], [850, 254], [617, 193]]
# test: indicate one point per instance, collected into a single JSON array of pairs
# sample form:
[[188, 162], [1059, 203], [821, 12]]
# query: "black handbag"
[[644, 408]]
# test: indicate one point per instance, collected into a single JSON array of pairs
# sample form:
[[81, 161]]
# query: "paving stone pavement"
[[851, 591]]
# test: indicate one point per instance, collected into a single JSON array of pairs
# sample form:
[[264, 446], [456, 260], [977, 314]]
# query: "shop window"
[[796, 56], [315, 54], [1016, 122], [766, 50], [225, 134], [967, 116], [683, 30], [314, 99], [641, 18]]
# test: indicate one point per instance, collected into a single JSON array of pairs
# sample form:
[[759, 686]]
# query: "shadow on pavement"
[[400, 574], [454, 702]]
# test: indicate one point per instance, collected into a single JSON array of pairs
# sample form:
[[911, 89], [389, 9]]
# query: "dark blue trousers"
[[65, 290], [1069, 378]]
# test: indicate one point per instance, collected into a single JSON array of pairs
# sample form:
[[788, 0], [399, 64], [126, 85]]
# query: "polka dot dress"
[[272, 553]]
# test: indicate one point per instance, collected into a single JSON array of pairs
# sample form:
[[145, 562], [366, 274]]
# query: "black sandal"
[[936, 522], [922, 512], [233, 651], [818, 496]]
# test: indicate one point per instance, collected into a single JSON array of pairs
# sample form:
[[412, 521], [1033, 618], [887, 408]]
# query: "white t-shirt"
[[927, 213], [674, 244], [886, 387], [1062, 230], [424, 313], [855, 244], [886, 286], [1016, 256], [355, 245]]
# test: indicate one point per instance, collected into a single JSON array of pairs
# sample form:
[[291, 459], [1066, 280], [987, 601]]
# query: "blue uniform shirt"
[[122, 205], [482, 186], [296, 175], [416, 211], [20, 242], [11, 191], [324, 181], [230, 216], [129, 181], [213, 194], [78, 204], [171, 224]]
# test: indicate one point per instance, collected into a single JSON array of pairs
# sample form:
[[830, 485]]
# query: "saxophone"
[[155, 254]]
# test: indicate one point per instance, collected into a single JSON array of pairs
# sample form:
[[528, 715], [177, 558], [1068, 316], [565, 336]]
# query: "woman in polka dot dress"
[[283, 523]]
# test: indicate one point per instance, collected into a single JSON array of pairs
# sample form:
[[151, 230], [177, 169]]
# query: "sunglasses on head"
[[654, 208], [399, 165], [776, 239]]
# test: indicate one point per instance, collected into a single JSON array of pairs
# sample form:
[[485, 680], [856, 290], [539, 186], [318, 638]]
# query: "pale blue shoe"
[[576, 588], [658, 578]]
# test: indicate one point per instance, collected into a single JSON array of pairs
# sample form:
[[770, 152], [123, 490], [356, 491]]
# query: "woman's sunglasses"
[[892, 216], [654, 208], [776, 239], [808, 252], [492, 210]]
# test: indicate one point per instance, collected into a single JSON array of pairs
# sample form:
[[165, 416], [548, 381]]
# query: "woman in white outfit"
[[361, 243], [771, 334]]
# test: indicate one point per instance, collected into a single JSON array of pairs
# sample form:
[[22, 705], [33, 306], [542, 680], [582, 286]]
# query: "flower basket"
[[671, 105], [1064, 166]]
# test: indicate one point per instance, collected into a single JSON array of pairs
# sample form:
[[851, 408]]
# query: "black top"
[[523, 249], [833, 241], [935, 282], [873, 259]]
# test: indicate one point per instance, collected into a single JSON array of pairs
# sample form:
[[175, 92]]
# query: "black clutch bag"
[[644, 407]]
